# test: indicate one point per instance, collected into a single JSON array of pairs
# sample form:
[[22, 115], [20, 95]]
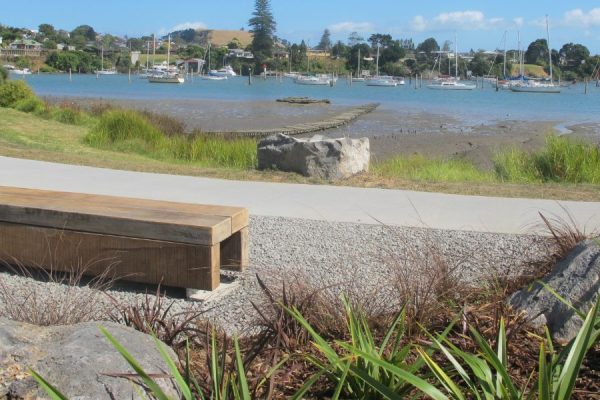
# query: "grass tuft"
[[561, 160], [420, 168]]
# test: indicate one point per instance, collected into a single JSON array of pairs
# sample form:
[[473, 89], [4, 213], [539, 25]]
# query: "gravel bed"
[[364, 260]]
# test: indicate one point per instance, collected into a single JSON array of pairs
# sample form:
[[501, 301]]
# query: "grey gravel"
[[364, 260]]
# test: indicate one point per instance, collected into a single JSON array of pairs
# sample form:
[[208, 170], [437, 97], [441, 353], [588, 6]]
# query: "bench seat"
[[149, 241]]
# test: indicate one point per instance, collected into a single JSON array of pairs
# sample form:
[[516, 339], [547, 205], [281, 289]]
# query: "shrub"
[[125, 126], [561, 160], [3, 74], [13, 91], [30, 104]]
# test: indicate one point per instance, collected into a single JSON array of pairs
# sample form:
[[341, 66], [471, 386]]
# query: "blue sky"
[[478, 24]]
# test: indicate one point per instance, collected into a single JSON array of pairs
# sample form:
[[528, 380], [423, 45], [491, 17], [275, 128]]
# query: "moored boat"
[[382, 81]]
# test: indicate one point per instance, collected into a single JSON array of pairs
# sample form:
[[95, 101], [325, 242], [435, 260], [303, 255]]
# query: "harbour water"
[[571, 106]]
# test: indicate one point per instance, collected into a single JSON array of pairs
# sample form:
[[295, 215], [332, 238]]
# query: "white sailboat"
[[167, 76], [380, 80], [359, 77], [103, 71], [532, 86], [453, 83]]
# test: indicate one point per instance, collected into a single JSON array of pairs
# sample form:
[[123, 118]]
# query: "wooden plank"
[[238, 215], [170, 221], [235, 251], [138, 260]]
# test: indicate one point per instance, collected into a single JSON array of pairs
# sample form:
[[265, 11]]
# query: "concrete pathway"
[[329, 203]]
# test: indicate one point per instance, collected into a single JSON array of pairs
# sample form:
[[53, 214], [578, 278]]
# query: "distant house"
[[240, 53], [281, 54], [313, 53], [65, 47], [25, 44]]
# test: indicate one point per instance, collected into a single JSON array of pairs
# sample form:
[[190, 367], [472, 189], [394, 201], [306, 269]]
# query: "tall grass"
[[561, 160], [420, 168], [130, 131]]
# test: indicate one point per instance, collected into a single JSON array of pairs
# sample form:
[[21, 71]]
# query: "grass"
[[561, 160], [417, 167], [36, 137]]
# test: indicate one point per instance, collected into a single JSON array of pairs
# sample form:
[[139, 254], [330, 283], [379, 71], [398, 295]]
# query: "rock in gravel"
[[577, 279], [76, 359], [319, 157]]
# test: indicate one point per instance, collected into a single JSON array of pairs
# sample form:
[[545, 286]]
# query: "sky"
[[477, 24]]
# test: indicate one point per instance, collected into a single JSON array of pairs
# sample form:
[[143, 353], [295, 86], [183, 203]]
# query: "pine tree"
[[325, 43], [263, 27]]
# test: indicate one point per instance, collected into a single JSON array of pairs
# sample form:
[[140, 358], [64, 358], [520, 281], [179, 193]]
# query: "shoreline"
[[391, 132]]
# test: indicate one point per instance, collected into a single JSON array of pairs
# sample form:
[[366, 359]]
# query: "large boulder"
[[76, 359], [577, 279], [323, 158]]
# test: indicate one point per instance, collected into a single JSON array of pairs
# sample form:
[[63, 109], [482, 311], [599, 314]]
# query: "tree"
[[383, 40], [49, 44], [352, 63], [537, 52], [428, 46], [263, 27], [480, 64], [86, 31], [355, 39], [574, 54], [340, 50], [446, 46], [47, 30], [325, 43], [392, 53]]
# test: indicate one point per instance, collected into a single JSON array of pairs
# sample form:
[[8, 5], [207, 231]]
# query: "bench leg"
[[234, 251]]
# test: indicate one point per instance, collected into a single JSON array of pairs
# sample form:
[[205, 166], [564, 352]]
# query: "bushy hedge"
[[12, 92]]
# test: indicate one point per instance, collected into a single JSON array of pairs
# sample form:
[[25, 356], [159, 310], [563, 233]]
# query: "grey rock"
[[75, 359], [330, 159], [577, 279]]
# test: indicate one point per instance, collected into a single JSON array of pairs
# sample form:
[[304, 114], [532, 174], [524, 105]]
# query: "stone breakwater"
[[341, 119]]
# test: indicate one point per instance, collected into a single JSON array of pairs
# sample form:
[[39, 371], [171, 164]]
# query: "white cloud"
[[519, 22], [183, 26], [419, 23], [350, 26], [579, 18], [463, 20]]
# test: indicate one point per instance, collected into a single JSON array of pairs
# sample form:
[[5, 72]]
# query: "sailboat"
[[103, 71], [166, 76], [452, 83], [359, 77], [532, 86], [380, 80]]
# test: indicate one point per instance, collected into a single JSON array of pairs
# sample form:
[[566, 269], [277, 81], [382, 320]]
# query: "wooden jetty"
[[336, 121]]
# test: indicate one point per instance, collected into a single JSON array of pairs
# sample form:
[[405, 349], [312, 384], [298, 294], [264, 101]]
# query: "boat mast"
[[358, 75], [153, 50], [377, 62], [504, 65], [147, 54], [456, 55], [520, 56], [549, 50], [169, 53], [102, 60]]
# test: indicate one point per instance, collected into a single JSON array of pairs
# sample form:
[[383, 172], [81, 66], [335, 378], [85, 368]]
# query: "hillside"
[[532, 70], [222, 37], [216, 37]]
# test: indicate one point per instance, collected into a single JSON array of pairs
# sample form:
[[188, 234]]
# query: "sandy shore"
[[392, 131]]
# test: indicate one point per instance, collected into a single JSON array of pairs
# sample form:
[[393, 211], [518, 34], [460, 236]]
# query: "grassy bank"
[[38, 137]]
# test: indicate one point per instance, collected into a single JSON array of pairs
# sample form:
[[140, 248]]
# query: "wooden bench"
[[148, 241]]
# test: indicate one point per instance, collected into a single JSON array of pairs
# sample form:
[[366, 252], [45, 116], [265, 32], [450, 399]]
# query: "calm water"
[[571, 106]]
